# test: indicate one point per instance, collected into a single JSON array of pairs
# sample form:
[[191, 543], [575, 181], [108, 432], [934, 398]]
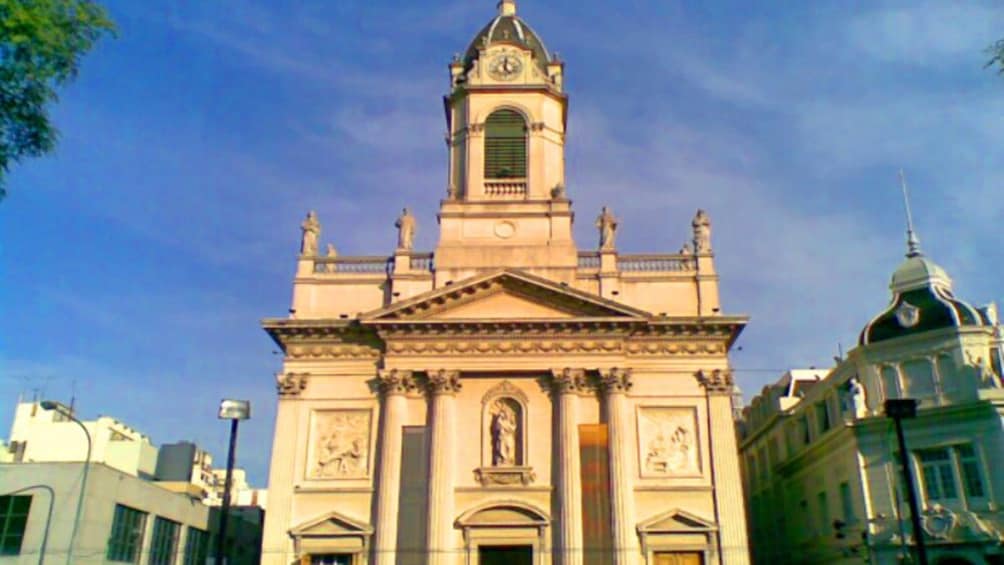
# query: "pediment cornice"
[[564, 301]]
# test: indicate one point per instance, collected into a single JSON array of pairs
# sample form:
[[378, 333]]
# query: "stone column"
[[394, 384], [568, 383], [734, 548], [443, 386], [277, 547], [615, 384]]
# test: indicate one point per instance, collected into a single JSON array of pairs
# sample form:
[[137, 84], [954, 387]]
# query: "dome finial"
[[507, 8], [912, 242]]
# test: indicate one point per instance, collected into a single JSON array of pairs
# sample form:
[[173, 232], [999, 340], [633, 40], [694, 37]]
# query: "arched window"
[[505, 145]]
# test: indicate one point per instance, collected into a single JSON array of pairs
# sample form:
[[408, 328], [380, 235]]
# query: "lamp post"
[[65, 411], [899, 409], [48, 518], [235, 411]]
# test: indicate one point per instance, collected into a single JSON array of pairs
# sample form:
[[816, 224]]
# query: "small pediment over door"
[[504, 295], [332, 524], [676, 521]]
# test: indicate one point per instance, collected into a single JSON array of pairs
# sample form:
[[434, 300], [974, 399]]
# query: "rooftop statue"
[[702, 232], [607, 224], [405, 230], [311, 231]]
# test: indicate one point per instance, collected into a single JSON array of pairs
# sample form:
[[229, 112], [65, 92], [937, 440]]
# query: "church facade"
[[508, 397]]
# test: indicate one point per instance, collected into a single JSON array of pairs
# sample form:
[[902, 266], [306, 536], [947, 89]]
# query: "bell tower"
[[506, 115]]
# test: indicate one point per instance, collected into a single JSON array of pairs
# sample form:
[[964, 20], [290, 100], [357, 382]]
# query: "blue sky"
[[138, 260]]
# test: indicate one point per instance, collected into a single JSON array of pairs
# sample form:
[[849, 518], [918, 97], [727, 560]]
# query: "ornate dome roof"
[[916, 272], [508, 28], [922, 301]]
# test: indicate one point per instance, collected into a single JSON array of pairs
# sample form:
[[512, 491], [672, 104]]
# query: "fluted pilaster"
[[718, 384], [394, 385], [442, 387], [568, 384], [615, 384]]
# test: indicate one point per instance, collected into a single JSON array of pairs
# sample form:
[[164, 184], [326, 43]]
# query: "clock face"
[[505, 67]]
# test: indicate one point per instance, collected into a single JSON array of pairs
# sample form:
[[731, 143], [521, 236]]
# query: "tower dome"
[[922, 300], [507, 28]]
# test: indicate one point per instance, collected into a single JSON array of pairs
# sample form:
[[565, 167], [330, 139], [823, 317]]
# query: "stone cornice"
[[353, 340]]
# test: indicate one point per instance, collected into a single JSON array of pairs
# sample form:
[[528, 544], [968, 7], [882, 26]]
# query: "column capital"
[[290, 384], [569, 381], [615, 380], [396, 381], [716, 381], [443, 381]]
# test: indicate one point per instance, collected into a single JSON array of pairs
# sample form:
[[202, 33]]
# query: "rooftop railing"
[[655, 263], [356, 265]]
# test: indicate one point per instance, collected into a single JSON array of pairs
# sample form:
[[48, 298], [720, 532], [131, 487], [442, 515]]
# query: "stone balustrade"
[[656, 263], [509, 188], [423, 262], [354, 265]]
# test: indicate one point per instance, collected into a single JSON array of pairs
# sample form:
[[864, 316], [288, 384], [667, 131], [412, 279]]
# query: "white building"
[[823, 481], [40, 435]]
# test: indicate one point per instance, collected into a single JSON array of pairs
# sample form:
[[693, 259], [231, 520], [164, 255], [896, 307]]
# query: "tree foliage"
[[41, 45], [996, 52]]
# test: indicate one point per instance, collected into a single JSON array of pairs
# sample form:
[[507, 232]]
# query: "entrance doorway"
[[505, 555], [679, 558]]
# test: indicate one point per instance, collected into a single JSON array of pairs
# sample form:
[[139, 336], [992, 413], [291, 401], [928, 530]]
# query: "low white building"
[[821, 460], [39, 435]]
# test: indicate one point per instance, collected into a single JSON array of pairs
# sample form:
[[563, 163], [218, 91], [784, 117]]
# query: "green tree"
[[996, 52], [41, 45]]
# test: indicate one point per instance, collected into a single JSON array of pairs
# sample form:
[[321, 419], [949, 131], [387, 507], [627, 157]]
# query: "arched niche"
[[504, 437]]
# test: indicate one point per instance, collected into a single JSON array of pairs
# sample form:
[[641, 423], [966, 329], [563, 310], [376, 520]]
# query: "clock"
[[506, 66]]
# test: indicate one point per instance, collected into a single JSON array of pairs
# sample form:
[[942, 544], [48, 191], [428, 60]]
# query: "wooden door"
[[679, 558]]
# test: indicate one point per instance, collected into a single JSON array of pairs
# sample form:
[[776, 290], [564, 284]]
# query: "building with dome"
[[821, 460], [509, 397]]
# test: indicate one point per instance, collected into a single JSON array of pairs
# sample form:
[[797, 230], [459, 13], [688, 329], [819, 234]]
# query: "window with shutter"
[[505, 145]]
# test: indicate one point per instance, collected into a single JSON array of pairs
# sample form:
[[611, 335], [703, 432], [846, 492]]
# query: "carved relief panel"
[[339, 445], [668, 445]]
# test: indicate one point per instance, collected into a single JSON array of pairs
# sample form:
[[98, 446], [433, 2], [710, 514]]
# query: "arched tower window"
[[505, 145]]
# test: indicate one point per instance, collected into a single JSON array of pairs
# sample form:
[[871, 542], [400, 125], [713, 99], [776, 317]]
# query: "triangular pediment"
[[677, 521], [332, 524], [505, 295]]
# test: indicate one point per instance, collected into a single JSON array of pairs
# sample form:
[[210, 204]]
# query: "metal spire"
[[912, 242]]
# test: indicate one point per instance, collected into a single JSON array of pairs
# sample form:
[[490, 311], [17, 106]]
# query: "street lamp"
[[48, 518], [235, 411], [899, 409], [65, 411]]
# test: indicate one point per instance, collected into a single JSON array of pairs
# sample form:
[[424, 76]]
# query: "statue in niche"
[[607, 224], [311, 231], [504, 427], [856, 391], [702, 232], [405, 230]]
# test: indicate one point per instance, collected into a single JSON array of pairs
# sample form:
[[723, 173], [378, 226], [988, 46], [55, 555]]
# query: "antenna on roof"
[[912, 243], [73, 395]]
